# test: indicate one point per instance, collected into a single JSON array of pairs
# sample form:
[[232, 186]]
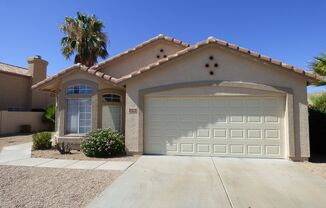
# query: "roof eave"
[[43, 84], [143, 44]]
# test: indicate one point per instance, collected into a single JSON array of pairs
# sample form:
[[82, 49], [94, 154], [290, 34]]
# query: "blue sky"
[[289, 30]]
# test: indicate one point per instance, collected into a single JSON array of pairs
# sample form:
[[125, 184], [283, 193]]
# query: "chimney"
[[37, 68]]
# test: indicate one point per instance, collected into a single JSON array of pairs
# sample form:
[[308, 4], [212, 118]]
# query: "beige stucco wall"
[[10, 122], [142, 57], [99, 86], [15, 91], [232, 67]]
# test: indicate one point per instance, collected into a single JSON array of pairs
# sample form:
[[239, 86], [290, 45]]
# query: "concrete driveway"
[[168, 181]]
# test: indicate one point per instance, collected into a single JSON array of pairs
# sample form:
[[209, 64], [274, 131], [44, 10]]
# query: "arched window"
[[79, 89]]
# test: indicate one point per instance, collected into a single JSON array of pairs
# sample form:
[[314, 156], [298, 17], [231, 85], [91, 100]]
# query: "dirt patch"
[[77, 155], [316, 164], [13, 140], [51, 187]]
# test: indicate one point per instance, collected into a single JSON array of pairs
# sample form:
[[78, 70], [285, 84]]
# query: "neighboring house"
[[19, 103], [212, 99]]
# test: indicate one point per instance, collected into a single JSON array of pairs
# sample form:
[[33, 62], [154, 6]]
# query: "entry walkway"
[[20, 155]]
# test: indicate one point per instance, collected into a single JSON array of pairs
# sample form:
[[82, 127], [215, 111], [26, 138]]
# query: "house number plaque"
[[132, 110]]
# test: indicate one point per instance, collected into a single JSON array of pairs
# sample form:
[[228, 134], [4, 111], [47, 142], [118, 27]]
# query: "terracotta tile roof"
[[77, 67], [95, 69], [12, 69], [159, 37], [311, 76]]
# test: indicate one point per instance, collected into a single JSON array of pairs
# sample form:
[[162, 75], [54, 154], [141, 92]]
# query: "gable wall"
[[140, 58], [232, 67]]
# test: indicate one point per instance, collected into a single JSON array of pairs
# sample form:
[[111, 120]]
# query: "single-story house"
[[208, 99]]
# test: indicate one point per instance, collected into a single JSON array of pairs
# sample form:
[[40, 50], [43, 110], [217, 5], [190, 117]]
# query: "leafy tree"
[[319, 67], [318, 102], [84, 38]]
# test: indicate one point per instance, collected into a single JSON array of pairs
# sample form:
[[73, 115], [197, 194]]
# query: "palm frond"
[[85, 38]]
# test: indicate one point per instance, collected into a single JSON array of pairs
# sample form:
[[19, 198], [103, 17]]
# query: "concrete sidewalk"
[[20, 155]]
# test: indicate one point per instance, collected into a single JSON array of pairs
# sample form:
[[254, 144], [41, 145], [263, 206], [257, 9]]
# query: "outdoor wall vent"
[[211, 63], [161, 54]]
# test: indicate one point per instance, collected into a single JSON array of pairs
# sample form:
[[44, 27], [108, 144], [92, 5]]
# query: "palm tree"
[[84, 38], [319, 67]]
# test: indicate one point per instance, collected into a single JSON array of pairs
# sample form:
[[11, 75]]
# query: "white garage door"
[[215, 126]]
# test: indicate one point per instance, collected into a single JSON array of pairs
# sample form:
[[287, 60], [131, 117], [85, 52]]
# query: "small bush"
[[26, 128], [63, 148], [42, 141], [103, 143], [318, 102], [48, 116]]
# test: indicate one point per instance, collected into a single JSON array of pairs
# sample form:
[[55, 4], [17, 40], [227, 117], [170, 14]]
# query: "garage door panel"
[[254, 133], [254, 150], [219, 118], [187, 148], [254, 119], [237, 149], [220, 149], [203, 148], [220, 133], [221, 126], [236, 133]]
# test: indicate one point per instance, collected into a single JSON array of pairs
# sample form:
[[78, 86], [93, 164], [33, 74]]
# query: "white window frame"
[[113, 103], [83, 89], [78, 117]]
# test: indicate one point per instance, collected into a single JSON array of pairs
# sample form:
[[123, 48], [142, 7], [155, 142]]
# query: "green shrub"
[[103, 143], [318, 102], [26, 128], [48, 116], [42, 141]]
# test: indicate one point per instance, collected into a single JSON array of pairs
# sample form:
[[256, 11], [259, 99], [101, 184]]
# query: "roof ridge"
[[13, 65], [141, 45]]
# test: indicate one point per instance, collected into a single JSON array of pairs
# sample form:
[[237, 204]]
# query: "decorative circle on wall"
[[210, 64], [163, 55]]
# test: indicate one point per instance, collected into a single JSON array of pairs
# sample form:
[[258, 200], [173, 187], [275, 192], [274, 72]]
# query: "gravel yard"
[[12, 140], [77, 155], [51, 187]]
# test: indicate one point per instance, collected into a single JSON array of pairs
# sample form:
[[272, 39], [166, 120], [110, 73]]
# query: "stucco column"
[[289, 126]]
